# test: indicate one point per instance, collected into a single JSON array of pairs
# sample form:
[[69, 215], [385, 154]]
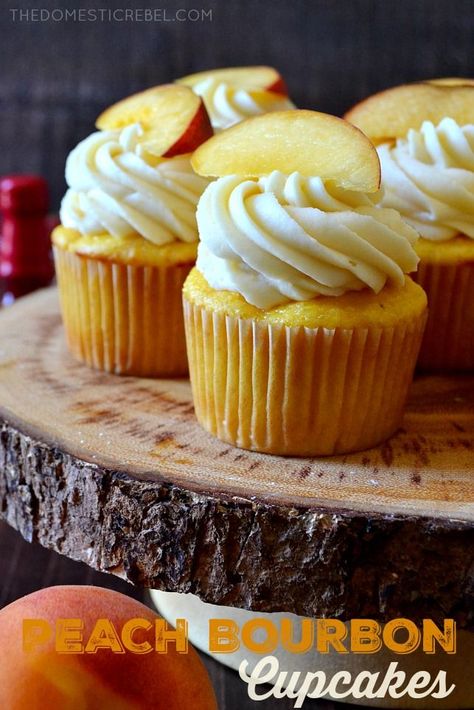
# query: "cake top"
[[429, 178], [134, 175], [173, 119], [308, 142], [294, 213], [233, 94], [425, 134], [392, 113], [116, 188], [249, 77]]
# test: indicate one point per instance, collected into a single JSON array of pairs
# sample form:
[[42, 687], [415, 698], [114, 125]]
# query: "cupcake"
[[425, 137], [128, 234], [302, 326], [236, 93]]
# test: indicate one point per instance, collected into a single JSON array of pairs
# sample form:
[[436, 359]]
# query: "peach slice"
[[309, 142], [258, 77], [451, 81], [173, 118], [390, 114]]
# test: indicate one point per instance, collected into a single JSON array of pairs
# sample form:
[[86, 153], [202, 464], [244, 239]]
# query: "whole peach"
[[34, 675]]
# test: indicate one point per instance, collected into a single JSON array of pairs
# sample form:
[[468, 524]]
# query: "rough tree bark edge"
[[310, 561]]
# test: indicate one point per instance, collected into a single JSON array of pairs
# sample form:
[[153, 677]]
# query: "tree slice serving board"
[[116, 472]]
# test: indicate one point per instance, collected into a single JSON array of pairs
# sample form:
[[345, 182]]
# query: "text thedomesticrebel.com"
[[100, 14]]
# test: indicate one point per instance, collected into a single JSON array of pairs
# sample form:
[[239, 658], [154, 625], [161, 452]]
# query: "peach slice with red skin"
[[173, 118], [254, 77], [308, 142], [391, 114], [36, 673]]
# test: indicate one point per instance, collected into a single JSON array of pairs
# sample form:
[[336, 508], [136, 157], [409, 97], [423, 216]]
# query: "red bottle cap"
[[25, 246]]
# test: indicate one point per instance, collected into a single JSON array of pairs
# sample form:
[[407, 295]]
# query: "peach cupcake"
[[128, 234], [302, 327], [425, 137], [234, 94]]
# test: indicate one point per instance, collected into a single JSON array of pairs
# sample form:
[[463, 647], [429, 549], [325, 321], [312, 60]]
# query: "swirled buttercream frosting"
[[285, 238], [227, 104], [429, 178], [115, 187]]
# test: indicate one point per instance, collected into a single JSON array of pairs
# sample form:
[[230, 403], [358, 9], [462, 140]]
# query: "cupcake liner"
[[298, 391], [448, 342], [124, 319]]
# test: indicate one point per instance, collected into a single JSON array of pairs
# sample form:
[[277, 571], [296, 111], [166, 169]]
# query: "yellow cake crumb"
[[131, 249], [355, 309], [451, 251]]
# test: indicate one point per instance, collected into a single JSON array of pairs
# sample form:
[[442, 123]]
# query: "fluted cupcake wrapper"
[[448, 342], [124, 319], [295, 390]]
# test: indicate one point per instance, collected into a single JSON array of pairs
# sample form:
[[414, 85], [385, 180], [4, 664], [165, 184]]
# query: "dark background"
[[57, 76]]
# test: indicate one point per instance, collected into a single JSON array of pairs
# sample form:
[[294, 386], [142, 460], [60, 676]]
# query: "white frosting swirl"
[[429, 178], [227, 104], [281, 238], [117, 188]]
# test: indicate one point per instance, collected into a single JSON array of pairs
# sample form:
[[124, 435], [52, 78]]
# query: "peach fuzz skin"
[[41, 679]]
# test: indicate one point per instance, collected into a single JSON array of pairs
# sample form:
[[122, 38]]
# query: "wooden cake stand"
[[117, 473]]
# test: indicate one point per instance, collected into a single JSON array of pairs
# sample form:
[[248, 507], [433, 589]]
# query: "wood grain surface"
[[57, 76], [116, 472], [147, 429]]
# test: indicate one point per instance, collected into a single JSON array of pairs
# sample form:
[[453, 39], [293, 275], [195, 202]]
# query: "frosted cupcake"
[[428, 176], [234, 94], [128, 234], [302, 326]]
